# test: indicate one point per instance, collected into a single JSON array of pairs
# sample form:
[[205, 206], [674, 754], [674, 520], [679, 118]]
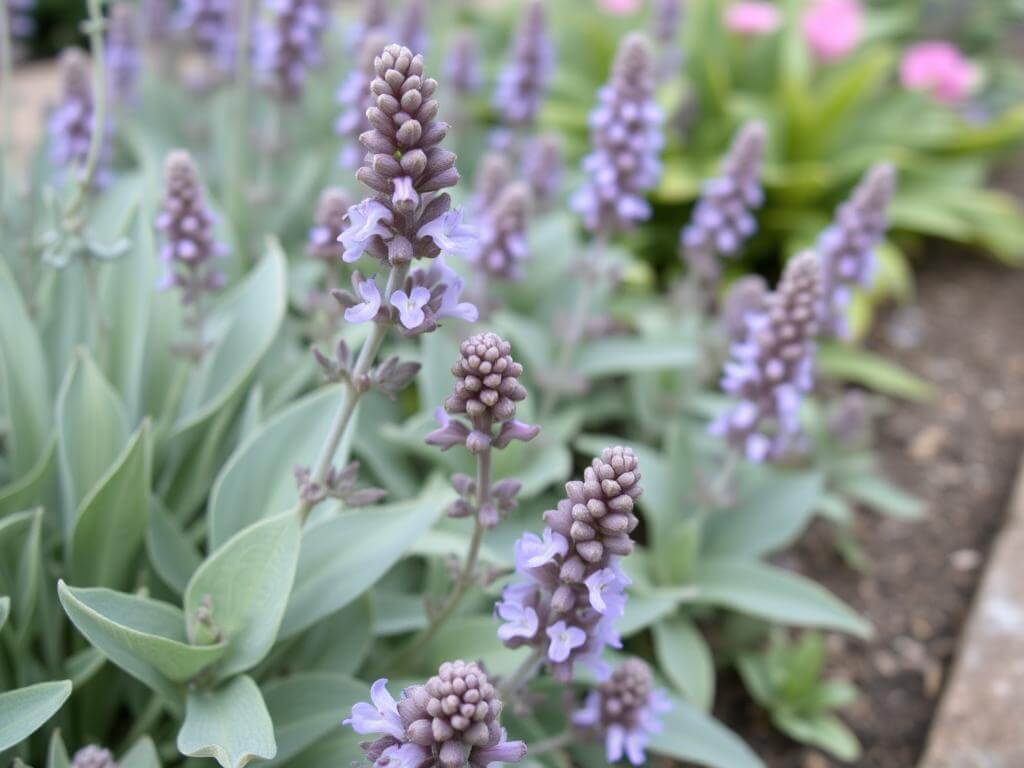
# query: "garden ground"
[[959, 452]]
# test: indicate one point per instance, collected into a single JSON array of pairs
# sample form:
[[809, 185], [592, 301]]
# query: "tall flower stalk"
[[523, 83], [407, 217], [623, 165]]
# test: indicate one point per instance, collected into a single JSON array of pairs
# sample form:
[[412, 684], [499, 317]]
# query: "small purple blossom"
[[366, 220], [564, 639], [410, 306], [532, 551], [462, 69], [370, 306], [520, 621], [379, 717], [449, 234], [607, 589], [70, 124]]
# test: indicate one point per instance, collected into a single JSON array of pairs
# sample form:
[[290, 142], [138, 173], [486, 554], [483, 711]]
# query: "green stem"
[[465, 578], [99, 117], [561, 741], [6, 81], [236, 171], [577, 325], [511, 687], [350, 398]]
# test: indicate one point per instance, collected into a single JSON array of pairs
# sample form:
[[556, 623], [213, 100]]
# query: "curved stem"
[[511, 687], [577, 325], [465, 578], [353, 392], [99, 115]]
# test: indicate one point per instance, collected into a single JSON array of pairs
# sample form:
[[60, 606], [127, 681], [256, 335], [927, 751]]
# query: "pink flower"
[[752, 18], [619, 7], [938, 68], [833, 28]]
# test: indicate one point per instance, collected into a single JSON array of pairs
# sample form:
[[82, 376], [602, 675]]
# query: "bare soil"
[[959, 452]]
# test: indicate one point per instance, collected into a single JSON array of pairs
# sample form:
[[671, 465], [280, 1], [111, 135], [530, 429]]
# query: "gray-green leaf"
[[24, 710], [229, 723], [688, 734], [305, 707], [245, 585]]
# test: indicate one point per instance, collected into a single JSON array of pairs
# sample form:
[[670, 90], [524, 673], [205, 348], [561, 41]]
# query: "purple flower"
[[366, 221], [123, 55], [70, 124], [626, 139], [521, 621], [723, 218], [449, 233], [523, 83], [847, 247], [513, 429], [533, 551], [451, 432], [406, 755], [212, 28], [451, 306], [771, 366], [410, 306], [563, 640], [289, 44], [607, 590], [370, 306], [462, 69], [504, 751], [380, 717], [625, 711]]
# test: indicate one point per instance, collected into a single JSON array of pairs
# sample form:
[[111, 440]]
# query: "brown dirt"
[[959, 452]]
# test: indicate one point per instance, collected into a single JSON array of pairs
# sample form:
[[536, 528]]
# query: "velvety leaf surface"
[[24, 710], [229, 723]]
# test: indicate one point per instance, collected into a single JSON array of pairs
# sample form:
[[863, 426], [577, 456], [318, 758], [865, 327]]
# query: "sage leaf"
[[690, 735], [229, 723], [24, 710], [685, 658], [111, 523], [305, 707], [245, 586], [144, 637]]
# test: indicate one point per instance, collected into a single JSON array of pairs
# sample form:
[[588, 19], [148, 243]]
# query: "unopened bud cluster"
[[338, 484], [452, 721], [70, 124], [572, 588], [289, 44]]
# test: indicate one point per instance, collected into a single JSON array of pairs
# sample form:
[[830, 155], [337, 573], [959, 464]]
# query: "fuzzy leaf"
[[24, 710], [247, 582], [306, 706], [689, 734], [344, 556], [92, 431], [143, 754], [23, 379], [258, 479], [823, 730], [774, 594], [771, 512], [683, 655], [870, 370], [145, 638], [230, 724], [20, 545], [110, 525]]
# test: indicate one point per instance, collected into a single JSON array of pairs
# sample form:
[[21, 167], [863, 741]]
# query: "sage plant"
[[407, 217], [502, 247], [210, 27], [487, 389], [462, 69], [772, 366], [666, 20], [626, 140], [571, 589], [123, 54], [411, 29], [723, 218], [543, 167], [289, 44], [847, 247], [523, 83], [354, 99], [624, 711], [189, 246], [70, 124], [451, 721]]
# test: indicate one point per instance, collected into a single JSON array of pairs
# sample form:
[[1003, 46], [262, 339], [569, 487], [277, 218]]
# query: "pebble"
[[965, 560], [928, 442]]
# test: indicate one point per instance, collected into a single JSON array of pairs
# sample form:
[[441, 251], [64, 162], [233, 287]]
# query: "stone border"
[[979, 722]]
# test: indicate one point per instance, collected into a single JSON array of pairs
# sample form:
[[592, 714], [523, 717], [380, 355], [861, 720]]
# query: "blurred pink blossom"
[[620, 7], [833, 28], [940, 69], [753, 18]]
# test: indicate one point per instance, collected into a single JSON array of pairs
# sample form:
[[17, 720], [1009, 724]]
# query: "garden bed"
[[959, 453]]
